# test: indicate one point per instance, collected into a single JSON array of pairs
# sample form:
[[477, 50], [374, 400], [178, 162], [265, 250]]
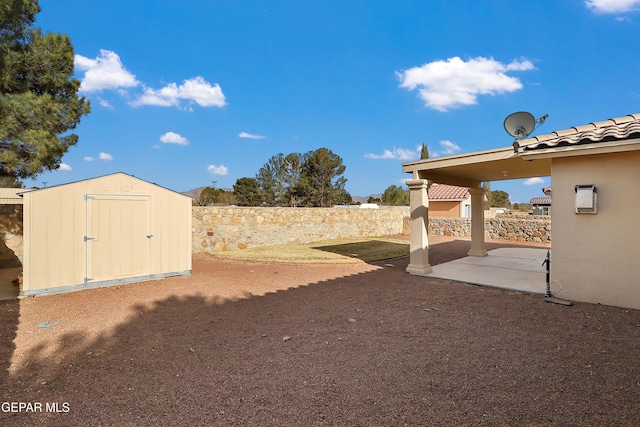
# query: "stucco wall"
[[444, 209], [595, 258]]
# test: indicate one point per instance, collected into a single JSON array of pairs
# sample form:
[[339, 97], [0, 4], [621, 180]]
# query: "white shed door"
[[118, 239]]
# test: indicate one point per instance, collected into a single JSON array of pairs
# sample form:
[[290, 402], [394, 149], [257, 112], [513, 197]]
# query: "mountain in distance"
[[361, 199], [194, 193]]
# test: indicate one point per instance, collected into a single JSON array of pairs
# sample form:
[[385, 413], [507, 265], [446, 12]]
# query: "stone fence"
[[521, 228], [227, 228], [218, 229]]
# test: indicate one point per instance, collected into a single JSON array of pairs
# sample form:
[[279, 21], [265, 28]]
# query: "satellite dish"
[[519, 125]]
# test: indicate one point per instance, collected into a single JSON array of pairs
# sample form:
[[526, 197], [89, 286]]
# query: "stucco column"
[[419, 247], [477, 223]]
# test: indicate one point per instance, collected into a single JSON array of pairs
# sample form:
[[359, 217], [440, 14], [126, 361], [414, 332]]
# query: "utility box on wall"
[[586, 199]]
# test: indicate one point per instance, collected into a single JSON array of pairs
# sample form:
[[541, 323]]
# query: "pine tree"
[[321, 183], [395, 196], [424, 152], [247, 192], [39, 103], [279, 179]]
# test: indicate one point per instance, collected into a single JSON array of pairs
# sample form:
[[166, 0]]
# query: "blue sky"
[[184, 93]]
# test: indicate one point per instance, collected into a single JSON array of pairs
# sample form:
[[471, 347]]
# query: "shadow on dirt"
[[375, 250], [9, 318], [375, 348]]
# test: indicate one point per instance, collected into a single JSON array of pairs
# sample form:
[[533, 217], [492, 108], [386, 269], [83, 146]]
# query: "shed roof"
[[24, 190], [448, 192]]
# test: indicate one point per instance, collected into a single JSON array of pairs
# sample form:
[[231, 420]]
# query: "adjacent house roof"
[[626, 127], [541, 201], [448, 192], [547, 191], [10, 193]]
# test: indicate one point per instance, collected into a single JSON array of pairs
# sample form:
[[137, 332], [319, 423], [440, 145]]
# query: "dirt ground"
[[250, 343]]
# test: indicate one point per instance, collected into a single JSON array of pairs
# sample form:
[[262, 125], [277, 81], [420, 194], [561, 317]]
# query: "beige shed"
[[103, 231]]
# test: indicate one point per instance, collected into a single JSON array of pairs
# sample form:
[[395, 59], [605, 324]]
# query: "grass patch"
[[339, 251]]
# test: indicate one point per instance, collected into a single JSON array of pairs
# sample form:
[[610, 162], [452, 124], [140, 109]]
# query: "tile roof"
[[541, 201], [447, 192], [609, 130]]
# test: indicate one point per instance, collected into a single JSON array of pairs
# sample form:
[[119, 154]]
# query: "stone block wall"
[[225, 228], [228, 228], [535, 228], [217, 229], [11, 228], [525, 228]]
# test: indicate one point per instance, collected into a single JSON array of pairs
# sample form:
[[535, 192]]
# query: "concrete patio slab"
[[518, 269]]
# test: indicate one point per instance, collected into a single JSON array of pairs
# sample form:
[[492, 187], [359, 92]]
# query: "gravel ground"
[[249, 343]]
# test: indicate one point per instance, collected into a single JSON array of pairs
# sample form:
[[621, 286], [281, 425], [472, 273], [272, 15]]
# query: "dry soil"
[[251, 343]]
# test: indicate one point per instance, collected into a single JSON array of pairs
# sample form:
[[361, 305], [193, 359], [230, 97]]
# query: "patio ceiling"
[[471, 169]]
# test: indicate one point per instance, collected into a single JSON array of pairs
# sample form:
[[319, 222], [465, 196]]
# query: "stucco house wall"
[[595, 257], [449, 201], [444, 208]]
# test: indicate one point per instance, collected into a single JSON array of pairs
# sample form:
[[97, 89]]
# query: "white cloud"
[[104, 103], [453, 83], [174, 138], [197, 90], [396, 153], [448, 148], [64, 167], [613, 6], [536, 180], [104, 72], [250, 136], [102, 156], [218, 170]]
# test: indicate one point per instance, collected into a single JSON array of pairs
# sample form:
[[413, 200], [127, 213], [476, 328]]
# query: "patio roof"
[[471, 169], [530, 157]]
